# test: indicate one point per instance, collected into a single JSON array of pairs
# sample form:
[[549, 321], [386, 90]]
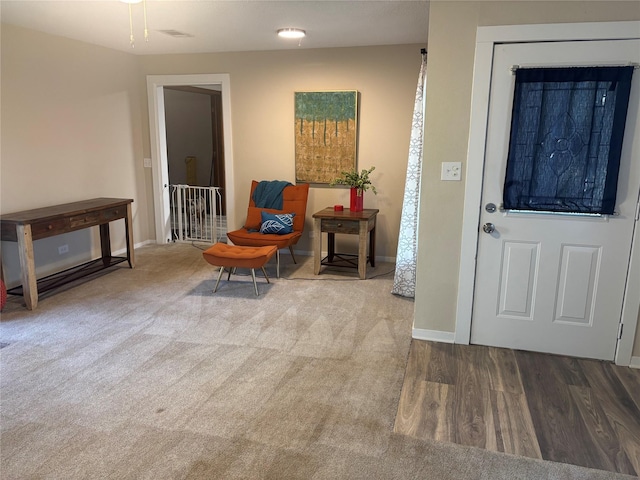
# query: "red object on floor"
[[3, 295]]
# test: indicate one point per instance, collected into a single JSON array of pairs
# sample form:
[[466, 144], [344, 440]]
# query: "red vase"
[[357, 197]]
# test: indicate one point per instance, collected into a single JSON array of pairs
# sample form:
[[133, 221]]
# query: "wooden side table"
[[29, 225], [347, 222]]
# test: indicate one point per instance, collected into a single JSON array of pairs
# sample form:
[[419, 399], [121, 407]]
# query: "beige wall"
[[71, 130], [262, 87], [452, 30]]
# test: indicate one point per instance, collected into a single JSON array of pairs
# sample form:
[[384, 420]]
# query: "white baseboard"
[[635, 362], [141, 244], [123, 251], [433, 335]]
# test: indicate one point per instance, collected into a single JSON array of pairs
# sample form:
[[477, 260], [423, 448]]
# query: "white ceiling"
[[225, 25]]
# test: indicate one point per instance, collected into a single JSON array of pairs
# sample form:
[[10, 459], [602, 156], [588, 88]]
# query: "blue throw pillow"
[[279, 223]]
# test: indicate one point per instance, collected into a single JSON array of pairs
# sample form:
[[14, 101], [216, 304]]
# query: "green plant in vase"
[[359, 183]]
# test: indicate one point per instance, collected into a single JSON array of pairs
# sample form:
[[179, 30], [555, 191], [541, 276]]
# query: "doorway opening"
[[220, 161], [195, 152]]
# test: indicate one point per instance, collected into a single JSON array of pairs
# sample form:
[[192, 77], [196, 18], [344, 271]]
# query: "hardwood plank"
[[559, 427], [609, 387], [474, 421], [630, 379], [412, 394], [418, 361], [514, 429], [442, 366], [504, 375], [621, 411], [470, 361], [439, 420], [425, 409], [473, 413], [569, 369], [431, 416], [410, 412], [608, 453], [577, 411]]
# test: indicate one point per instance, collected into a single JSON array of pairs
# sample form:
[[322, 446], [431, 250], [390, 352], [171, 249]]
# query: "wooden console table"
[[29, 225], [346, 221]]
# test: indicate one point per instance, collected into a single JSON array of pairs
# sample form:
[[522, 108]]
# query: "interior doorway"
[[156, 85], [195, 142]]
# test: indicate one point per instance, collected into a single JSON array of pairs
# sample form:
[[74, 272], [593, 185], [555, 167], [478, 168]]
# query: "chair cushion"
[[245, 237], [223, 255], [278, 223]]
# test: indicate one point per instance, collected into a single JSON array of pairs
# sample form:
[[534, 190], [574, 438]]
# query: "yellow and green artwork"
[[326, 126]]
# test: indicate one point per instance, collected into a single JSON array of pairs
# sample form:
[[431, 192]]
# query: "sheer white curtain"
[[404, 282]]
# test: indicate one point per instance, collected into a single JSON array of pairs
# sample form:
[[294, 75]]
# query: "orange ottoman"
[[234, 256]]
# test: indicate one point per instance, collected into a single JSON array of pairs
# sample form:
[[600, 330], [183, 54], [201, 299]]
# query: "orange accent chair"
[[294, 200]]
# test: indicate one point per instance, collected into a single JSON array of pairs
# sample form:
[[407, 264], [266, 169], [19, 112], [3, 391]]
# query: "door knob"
[[489, 228]]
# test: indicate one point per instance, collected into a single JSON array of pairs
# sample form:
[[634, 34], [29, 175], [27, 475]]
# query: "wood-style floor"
[[569, 410]]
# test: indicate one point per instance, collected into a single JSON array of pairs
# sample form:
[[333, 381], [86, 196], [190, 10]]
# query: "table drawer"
[[49, 228], [331, 225], [96, 218]]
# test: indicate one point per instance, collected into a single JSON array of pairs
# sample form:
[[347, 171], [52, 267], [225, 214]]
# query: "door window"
[[567, 128]]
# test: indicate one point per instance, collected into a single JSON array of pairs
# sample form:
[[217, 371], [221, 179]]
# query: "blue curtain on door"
[[566, 139], [404, 282]]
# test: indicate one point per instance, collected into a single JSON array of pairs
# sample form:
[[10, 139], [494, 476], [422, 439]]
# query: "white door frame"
[[486, 38], [158, 135]]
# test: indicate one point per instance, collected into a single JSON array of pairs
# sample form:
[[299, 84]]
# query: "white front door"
[[550, 282]]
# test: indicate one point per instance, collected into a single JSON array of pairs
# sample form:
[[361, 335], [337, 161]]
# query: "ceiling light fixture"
[[144, 8], [291, 33]]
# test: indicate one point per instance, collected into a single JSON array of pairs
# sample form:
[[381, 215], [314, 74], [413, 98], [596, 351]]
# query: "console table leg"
[[29, 281], [372, 247], [128, 226], [317, 245], [105, 243], [362, 251], [331, 246]]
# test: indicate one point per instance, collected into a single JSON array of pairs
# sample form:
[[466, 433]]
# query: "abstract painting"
[[326, 125]]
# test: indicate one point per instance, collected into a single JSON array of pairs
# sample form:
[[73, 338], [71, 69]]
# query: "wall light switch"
[[451, 171], [147, 163]]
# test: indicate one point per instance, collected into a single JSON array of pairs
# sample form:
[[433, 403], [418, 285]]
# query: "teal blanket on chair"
[[268, 194]]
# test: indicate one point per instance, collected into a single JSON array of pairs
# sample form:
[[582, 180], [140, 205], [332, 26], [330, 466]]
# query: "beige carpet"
[[146, 374]]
